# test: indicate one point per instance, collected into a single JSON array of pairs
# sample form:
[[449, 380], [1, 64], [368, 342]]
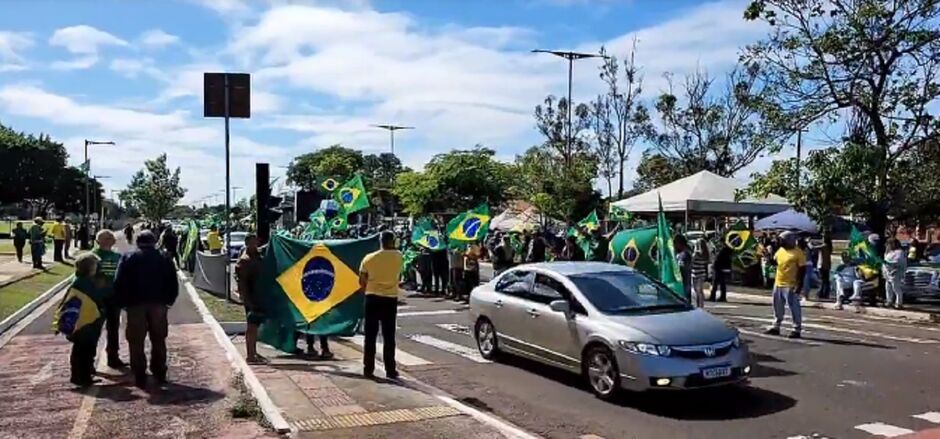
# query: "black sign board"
[[239, 94]]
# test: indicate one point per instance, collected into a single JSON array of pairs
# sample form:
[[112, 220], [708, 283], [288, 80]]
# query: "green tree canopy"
[[655, 170], [336, 161], [154, 190]]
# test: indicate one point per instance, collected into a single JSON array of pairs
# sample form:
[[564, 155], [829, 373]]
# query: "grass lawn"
[[6, 247], [221, 309], [17, 294]]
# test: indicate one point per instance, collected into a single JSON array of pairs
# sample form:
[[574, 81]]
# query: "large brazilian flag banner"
[[637, 248], [743, 246], [311, 287]]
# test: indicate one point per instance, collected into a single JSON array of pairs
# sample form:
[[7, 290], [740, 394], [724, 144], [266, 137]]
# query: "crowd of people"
[[64, 236]]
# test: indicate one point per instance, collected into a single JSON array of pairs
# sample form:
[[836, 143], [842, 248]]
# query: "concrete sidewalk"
[[39, 401], [331, 398], [764, 298]]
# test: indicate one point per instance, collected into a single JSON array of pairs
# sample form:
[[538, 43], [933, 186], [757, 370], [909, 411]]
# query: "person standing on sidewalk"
[[825, 267], [247, 271], [83, 334], [107, 266], [378, 277], [720, 272], [699, 272], [894, 267], [37, 242], [58, 240], [20, 235], [129, 233], [471, 269], [788, 284], [146, 286], [66, 251]]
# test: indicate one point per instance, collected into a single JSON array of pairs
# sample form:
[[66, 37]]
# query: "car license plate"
[[716, 372]]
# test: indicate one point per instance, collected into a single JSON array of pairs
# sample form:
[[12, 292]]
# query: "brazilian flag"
[[328, 185], [311, 287], [637, 248], [469, 226], [425, 236], [339, 222], [590, 222], [352, 196], [77, 311], [861, 251], [617, 213], [668, 267], [743, 246], [192, 237]]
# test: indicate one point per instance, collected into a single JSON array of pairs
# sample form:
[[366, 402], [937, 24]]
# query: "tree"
[[551, 119], [604, 147], [154, 190], [627, 119], [455, 181], [337, 161], [877, 60], [706, 128], [558, 192], [29, 168], [655, 170], [379, 173]]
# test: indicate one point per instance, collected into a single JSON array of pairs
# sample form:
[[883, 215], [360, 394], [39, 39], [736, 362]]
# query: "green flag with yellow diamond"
[[470, 226], [328, 185], [311, 287], [590, 222], [352, 196], [638, 249]]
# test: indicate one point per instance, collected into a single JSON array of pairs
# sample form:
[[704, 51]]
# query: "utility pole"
[[86, 166], [571, 57], [391, 132], [799, 153]]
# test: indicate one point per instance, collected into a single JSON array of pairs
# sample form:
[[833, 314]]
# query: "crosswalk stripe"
[[401, 357], [454, 348], [884, 430], [456, 328], [438, 312], [842, 330], [929, 417], [778, 338]]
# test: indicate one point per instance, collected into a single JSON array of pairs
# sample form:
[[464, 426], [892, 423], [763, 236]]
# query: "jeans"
[[113, 327], [143, 321], [784, 296], [698, 292], [36, 249], [471, 279], [719, 283], [19, 250], [380, 312], [825, 287], [84, 348], [894, 295], [57, 246]]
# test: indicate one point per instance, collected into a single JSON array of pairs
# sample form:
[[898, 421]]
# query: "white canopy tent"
[[703, 193], [528, 218]]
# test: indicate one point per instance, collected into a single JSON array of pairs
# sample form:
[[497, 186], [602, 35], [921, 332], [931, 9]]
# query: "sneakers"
[[794, 334], [392, 375], [116, 363], [772, 331], [368, 374]]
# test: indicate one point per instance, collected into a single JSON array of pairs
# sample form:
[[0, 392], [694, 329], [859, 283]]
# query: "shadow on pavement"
[[724, 403], [181, 394], [761, 370], [844, 342]]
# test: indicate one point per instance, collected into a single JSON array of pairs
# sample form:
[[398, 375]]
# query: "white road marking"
[[778, 338], [454, 348], [456, 328], [721, 306], [405, 307], [439, 312], [882, 429], [929, 417], [88, 401], [401, 357], [843, 330], [45, 372]]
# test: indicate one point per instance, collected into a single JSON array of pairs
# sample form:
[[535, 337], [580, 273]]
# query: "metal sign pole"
[[228, 228]]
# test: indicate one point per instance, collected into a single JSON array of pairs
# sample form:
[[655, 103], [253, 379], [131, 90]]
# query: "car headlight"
[[645, 348]]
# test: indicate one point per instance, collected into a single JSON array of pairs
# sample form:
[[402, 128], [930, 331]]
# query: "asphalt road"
[[849, 377]]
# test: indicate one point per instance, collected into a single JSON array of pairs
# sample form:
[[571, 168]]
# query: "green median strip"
[[14, 296], [221, 309]]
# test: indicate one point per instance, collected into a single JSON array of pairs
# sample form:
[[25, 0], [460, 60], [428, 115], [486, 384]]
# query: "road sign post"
[[227, 95]]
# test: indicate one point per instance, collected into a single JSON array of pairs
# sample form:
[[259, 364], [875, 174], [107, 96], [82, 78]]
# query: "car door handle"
[[533, 313], [498, 303]]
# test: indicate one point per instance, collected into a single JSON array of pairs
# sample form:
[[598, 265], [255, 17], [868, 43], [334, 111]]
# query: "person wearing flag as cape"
[[80, 316]]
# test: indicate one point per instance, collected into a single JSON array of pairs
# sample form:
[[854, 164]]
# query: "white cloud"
[[225, 7], [157, 38], [11, 45], [84, 41], [80, 63]]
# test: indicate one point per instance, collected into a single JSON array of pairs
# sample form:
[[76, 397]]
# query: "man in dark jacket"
[[145, 284], [721, 270]]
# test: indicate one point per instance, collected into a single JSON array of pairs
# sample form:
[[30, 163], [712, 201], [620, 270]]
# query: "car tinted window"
[[547, 289], [617, 292], [516, 283]]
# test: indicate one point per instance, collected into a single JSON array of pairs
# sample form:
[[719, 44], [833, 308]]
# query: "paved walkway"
[[330, 398], [38, 401], [11, 269]]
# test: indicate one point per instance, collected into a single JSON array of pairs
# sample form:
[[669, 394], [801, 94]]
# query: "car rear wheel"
[[487, 343], [602, 373]]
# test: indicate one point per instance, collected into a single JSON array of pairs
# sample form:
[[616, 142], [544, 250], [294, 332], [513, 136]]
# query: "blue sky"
[[322, 71]]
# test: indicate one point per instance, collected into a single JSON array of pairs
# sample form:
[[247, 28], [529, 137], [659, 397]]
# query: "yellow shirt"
[[214, 241], [58, 231], [383, 268], [788, 267]]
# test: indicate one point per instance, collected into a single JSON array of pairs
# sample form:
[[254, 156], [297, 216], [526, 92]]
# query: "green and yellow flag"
[[340, 222], [76, 311], [311, 287], [590, 222], [469, 226], [352, 196], [637, 248], [743, 246], [617, 213], [425, 236], [328, 185], [861, 251], [669, 273]]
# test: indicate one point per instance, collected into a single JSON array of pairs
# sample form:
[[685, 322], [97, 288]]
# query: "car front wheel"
[[487, 343], [602, 372]]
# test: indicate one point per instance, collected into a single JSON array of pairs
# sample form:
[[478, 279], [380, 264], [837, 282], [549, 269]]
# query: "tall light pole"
[[86, 165], [101, 207], [391, 132], [571, 57]]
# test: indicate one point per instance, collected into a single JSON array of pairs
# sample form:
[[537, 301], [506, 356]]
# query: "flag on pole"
[[425, 236], [352, 196], [469, 226], [328, 185], [743, 245], [862, 251], [311, 287], [617, 213], [668, 267], [590, 222]]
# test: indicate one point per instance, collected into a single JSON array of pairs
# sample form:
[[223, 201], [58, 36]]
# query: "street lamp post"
[[87, 167], [571, 57], [391, 132], [101, 207]]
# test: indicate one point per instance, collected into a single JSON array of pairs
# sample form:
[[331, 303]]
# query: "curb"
[[270, 411], [505, 427], [234, 328], [14, 318], [915, 316], [27, 275]]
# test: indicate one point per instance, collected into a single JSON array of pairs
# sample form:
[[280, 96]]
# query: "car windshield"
[[623, 292]]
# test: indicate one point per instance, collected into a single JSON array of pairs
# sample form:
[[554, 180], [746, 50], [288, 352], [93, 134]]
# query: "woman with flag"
[[80, 317]]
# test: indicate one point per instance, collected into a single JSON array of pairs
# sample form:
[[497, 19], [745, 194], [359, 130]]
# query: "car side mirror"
[[561, 306]]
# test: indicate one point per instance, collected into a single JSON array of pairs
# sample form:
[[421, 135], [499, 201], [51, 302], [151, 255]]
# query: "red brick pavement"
[[37, 400]]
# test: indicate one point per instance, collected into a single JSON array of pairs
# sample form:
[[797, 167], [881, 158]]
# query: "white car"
[[237, 240]]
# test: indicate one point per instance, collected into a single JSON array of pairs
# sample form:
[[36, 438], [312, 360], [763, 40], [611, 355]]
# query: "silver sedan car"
[[615, 326]]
